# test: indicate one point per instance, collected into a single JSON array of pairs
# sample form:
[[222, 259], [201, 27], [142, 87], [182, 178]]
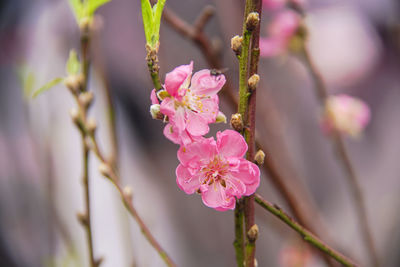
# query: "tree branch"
[[305, 234], [344, 159]]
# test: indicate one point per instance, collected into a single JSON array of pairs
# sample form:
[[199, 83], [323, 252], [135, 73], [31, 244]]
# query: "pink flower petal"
[[178, 79], [180, 138], [201, 150], [209, 110], [235, 187], [153, 97], [229, 205], [196, 125], [179, 119], [273, 4], [215, 197], [270, 47], [284, 25], [186, 181], [203, 83], [249, 174], [231, 144], [172, 134], [167, 107]]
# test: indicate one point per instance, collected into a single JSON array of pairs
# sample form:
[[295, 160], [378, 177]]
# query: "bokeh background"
[[356, 46]]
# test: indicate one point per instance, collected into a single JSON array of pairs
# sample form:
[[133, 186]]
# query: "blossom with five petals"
[[217, 170], [190, 103]]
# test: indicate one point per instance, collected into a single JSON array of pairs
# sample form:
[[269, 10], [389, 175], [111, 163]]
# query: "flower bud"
[[82, 218], [155, 112], [105, 170], [98, 261], [236, 44], [91, 125], [237, 122], [346, 114], [72, 83], [84, 24], [127, 191], [253, 82], [259, 157], [252, 234], [220, 117], [252, 21], [86, 98], [74, 113]]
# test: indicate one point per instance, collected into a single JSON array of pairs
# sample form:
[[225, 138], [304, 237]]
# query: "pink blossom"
[[347, 114], [278, 4], [295, 254], [280, 31], [191, 103], [273, 4], [217, 170]]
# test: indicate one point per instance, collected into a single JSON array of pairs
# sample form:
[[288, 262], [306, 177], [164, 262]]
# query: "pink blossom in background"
[[283, 26], [295, 254], [217, 170], [278, 4], [191, 104], [347, 114], [273, 4], [347, 63]]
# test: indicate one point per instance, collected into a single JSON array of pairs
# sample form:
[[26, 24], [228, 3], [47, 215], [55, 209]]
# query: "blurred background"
[[355, 45]]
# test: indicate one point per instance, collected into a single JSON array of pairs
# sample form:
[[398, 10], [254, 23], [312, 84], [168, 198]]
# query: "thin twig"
[[344, 159], [85, 218], [238, 243], [126, 198], [87, 221], [195, 33], [305, 234], [88, 134]]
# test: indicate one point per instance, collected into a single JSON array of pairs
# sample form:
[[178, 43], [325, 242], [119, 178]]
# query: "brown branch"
[[85, 218], [126, 197], [344, 159], [87, 127], [305, 234], [203, 18], [250, 121]]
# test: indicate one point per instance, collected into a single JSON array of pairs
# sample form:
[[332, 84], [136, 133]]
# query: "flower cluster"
[[190, 103], [346, 114], [216, 169], [284, 25]]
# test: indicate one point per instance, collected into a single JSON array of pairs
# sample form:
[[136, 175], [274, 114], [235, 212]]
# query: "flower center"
[[191, 101], [215, 171]]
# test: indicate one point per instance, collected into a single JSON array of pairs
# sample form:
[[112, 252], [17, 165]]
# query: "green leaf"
[[77, 8], [147, 15], [157, 13], [73, 65], [93, 5], [47, 86]]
